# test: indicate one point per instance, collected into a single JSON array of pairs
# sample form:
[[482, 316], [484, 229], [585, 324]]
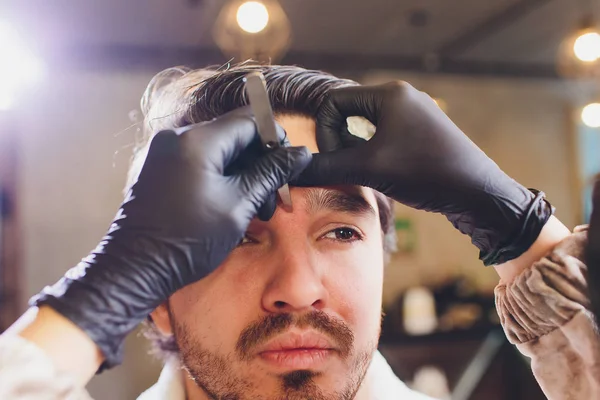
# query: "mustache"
[[261, 331]]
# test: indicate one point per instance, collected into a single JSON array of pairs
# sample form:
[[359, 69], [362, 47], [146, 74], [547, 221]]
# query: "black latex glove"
[[179, 221], [593, 253], [420, 158]]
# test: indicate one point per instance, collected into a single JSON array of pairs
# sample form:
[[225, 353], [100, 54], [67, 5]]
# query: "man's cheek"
[[361, 269], [212, 320], [355, 284], [225, 287]]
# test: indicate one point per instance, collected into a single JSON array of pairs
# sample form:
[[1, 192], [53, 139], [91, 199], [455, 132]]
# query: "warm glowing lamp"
[[590, 115], [252, 16]]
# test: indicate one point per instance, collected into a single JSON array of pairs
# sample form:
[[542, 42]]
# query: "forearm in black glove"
[[189, 207], [593, 253], [420, 158]]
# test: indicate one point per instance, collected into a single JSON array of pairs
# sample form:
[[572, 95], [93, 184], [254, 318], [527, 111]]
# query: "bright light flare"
[[18, 66], [441, 103], [587, 47], [252, 16], [590, 115], [6, 100]]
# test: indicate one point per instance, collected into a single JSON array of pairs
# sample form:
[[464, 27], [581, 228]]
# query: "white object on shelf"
[[419, 311], [431, 381]]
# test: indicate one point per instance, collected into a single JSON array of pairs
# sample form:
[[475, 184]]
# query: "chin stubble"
[[213, 374]]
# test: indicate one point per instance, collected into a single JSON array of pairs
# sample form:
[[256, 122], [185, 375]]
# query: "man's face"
[[295, 310]]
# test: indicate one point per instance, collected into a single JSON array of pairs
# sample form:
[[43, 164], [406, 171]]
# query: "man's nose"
[[296, 282]]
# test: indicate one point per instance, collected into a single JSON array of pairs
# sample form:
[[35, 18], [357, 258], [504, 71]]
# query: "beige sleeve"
[[26, 373], [545, 313]]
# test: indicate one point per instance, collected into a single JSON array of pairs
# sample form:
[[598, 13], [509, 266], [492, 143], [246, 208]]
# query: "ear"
[[162, 319]]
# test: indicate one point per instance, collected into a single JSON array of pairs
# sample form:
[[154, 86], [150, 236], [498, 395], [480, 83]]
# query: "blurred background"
[[520, 77]]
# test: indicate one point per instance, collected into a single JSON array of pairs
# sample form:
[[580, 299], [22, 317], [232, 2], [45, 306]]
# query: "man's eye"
[[343, 234], [245, 240]]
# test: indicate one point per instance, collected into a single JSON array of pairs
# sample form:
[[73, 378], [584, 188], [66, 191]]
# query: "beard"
[[217, 376]]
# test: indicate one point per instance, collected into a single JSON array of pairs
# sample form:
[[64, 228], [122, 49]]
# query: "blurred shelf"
[[478, 333], [507, 378]]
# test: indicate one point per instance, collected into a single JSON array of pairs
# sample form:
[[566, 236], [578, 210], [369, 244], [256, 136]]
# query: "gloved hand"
[[187, 210], [592, 254], [420, 158]]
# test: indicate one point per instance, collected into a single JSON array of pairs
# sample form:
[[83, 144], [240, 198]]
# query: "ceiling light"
[[252, 16], [579, 53], [590, 115], [258, 30], [587, 46]]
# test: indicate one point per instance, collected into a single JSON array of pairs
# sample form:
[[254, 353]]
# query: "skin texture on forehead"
[[300, 131], [293, 276]]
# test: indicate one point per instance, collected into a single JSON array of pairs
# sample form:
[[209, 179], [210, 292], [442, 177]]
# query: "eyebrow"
[[351, 202]]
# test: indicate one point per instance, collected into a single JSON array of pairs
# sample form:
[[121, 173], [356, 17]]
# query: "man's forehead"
[[300, 131]]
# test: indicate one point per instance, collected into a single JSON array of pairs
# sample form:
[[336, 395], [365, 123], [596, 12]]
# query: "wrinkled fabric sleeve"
[[26, 373], [545, 313]]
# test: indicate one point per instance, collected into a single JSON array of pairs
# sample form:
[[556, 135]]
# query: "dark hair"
[[181, 96]]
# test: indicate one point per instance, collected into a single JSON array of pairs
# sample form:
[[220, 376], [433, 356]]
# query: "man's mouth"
[[297, 350]]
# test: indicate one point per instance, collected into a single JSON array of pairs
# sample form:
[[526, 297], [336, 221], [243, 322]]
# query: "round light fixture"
[[252, 16], [258, 30], [590, 115], [579, 53], [587, 46]]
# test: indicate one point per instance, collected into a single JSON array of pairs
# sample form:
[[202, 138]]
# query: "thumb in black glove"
[[187, 210], [420, 158]]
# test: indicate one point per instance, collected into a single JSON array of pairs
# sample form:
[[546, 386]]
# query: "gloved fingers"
[[245, 113], [266, 211], [341, 167], [163, 144], [339, 104], [236, 133], [349, 140], [220, 141], [223, 140], [270, 172], [226, 137]]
